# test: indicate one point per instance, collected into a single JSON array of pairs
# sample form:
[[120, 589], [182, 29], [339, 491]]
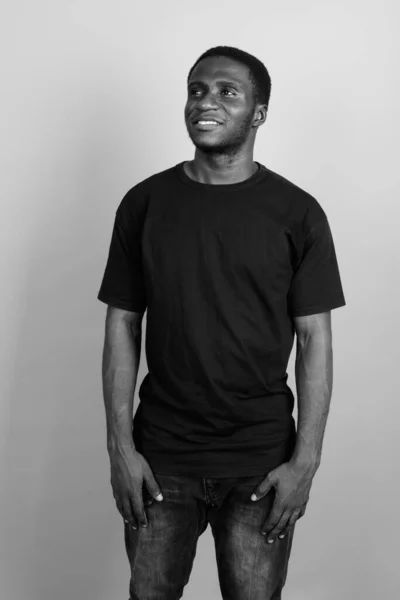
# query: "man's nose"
[[208, 100]]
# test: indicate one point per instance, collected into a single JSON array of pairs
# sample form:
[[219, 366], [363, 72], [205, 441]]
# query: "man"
[[230, 260]]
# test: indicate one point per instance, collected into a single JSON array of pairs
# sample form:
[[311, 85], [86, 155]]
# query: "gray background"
[[92, 102]]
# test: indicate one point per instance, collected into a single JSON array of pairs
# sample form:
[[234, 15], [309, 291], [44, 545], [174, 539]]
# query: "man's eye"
[[193, 91]]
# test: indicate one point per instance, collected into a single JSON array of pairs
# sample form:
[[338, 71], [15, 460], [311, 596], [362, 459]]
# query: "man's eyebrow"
[[220, 82]]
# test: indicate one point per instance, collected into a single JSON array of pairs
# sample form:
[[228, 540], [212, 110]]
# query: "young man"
[[230, 260]]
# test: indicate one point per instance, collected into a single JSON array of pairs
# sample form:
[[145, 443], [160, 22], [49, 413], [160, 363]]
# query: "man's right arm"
[[129, 469], [120, 365]]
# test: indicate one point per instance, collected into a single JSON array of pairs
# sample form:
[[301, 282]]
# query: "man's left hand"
[[292, 490]]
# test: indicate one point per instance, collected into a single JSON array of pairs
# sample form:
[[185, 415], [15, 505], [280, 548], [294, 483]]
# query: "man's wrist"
[[307, 464], [116, 444]]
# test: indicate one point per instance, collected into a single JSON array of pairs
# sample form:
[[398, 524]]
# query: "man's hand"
[[129, 472], [292, 484]]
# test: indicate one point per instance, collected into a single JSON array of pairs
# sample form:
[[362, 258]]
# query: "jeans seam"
[[205, 490], [190, 565]]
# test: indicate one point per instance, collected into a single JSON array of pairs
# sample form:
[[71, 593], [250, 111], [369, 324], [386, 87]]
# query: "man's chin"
[[207, 147]]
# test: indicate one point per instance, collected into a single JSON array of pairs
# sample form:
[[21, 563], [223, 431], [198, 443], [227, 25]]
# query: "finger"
[[152, 486], [138, 508], [291, 523], [275, 531], [118, 503], [302, 511], [264, 487], [120, 508], [273, 518], [127, 513]]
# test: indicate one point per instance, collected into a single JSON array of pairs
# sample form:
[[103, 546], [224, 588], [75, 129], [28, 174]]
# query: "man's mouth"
[[206, 125]]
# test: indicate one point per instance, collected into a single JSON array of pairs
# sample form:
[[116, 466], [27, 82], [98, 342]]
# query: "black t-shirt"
[[221, 270]]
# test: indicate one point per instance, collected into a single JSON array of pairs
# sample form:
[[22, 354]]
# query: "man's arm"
[[314, 376], [292, 480], [129, 469], [121, 357]]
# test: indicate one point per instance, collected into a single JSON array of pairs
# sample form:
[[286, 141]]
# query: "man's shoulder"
[[294, 197], [154, 180], [137, 196], [287, 186]]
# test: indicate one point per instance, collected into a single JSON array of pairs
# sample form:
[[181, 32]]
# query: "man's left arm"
[[314, 375]]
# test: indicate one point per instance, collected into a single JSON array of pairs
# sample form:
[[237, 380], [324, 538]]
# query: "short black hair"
[[258, 72]]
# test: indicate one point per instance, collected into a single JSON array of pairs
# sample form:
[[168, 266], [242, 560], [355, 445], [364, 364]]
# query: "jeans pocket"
[[146, 496]]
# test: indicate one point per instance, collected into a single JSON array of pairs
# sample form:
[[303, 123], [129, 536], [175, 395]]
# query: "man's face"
[[220, 88]]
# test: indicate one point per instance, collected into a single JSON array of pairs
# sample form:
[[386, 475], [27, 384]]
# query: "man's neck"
[[204, 174]]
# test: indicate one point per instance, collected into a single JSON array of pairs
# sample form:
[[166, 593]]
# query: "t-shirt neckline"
[[211, 187]]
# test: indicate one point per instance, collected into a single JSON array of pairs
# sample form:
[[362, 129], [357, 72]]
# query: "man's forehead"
[[220, 69]]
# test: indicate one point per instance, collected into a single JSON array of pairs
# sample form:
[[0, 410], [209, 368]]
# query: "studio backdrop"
[[92, 101]]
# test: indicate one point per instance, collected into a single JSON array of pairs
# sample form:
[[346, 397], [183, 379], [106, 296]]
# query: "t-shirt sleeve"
[[123, 282], [316, 285]]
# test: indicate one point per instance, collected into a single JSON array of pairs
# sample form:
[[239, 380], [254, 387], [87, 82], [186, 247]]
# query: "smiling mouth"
[[206, 126]]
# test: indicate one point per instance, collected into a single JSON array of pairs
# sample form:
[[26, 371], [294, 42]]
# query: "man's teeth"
[[208, 122]]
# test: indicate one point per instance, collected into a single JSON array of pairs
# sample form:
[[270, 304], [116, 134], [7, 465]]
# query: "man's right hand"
[[129, 472]]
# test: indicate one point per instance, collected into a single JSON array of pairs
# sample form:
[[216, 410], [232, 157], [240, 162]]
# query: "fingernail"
[[159, 497], [270, 541], [281, 537], [253, 497]]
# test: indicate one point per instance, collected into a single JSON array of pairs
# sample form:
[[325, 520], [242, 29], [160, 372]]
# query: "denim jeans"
[[161, 555]]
